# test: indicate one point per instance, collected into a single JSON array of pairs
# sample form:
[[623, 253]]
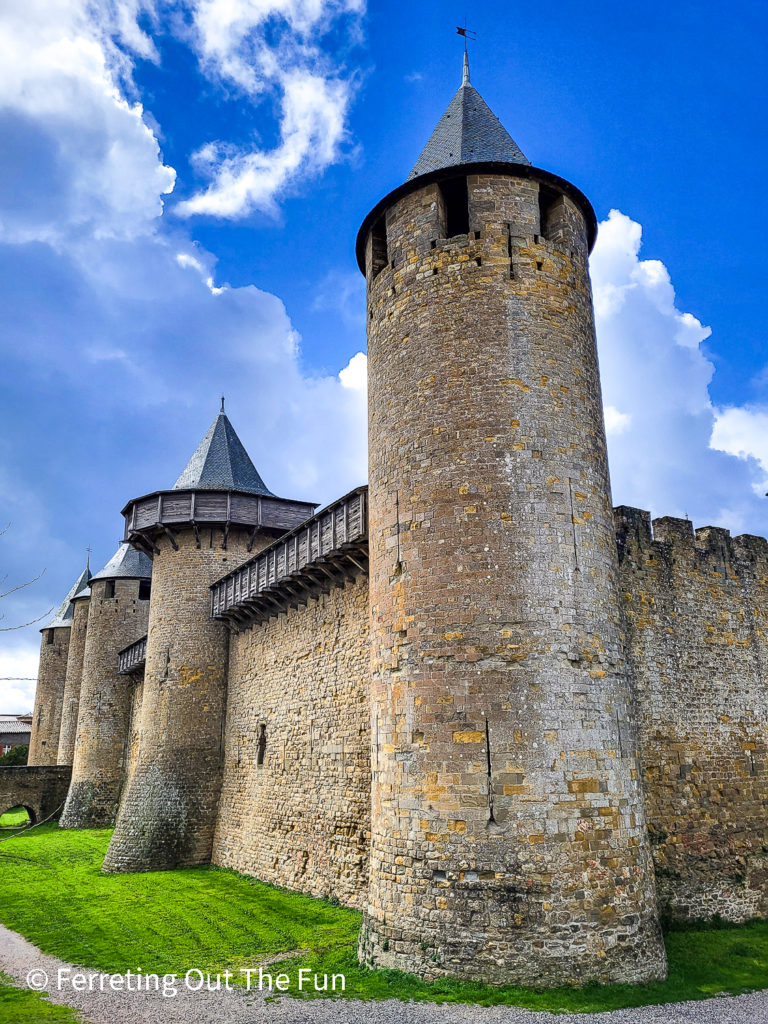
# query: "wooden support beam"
[[170, 535]]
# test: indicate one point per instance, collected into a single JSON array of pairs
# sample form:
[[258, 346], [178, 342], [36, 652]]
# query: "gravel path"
[[17, 957]]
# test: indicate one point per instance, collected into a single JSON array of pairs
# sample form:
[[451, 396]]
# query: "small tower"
[[508, 837], [74, 676], [218, 512], [118, 615], [51, 679]]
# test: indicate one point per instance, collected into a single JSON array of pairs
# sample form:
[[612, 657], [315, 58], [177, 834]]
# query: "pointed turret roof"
[[126, 563], [221, 463], [467, 133], [63, 616]]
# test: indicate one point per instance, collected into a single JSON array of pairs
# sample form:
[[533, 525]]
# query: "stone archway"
[[40, 789]]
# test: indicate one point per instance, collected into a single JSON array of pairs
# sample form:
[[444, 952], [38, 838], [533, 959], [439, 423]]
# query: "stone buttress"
[[508, 834], [217, 513], [51, 679], [118, 614]]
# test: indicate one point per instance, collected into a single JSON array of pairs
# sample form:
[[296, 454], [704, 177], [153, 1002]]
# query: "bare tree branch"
[[22, 585], [13, 590], [9, 629]]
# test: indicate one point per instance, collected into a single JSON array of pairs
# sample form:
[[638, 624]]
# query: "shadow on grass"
[[213, 919]]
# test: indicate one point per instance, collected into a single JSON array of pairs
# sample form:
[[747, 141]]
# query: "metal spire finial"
[[467, 33], [88, 559], [222, 403]]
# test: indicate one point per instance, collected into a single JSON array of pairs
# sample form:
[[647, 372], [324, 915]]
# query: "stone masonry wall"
[[167, 814], [42, 789], [298, 690], [71, 702], [508, 837], [98, 769], [49, 696], [696, 609]]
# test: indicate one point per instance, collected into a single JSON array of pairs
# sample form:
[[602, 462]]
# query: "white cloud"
[[18, 672], [355, 374], [113, 325], [655, 377], [263, 47], [312, 126], [616, 422], [81, 160], [743, 432]]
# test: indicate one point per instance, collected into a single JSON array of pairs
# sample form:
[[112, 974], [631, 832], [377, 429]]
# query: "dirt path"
[[18, 957]]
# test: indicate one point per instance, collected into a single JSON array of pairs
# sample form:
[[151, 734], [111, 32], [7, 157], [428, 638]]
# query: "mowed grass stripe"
[[52, 892]]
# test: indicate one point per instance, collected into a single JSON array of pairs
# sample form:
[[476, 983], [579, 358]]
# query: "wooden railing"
[[132, 657], [324, 552], [167, 512]]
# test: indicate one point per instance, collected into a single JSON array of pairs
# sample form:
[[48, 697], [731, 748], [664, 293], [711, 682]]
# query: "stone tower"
[[51, 679], [508, 833], [118, 615], [218, 512], [74, 676]]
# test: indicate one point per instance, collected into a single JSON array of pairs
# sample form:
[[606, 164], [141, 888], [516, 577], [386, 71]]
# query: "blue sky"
[[180, 188]]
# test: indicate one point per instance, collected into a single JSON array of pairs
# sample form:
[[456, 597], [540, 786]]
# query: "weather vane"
[[468, 33]]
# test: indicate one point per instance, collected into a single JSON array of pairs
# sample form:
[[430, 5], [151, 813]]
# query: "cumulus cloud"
[[79, 159], [272, 47], [743, 432], [116, 326], [655, 377]]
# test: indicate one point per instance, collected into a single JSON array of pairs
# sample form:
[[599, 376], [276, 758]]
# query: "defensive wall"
[[42, 789], [695, 606], [295, 799], [294, 806]]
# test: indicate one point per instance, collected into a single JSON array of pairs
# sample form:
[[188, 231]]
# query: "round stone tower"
[[217, 513], [51, 679], [118, 615], [74, 676], [508, 836]]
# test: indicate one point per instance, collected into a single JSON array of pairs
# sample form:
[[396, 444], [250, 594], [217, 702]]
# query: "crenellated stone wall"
[[298, 703], [696, 609]]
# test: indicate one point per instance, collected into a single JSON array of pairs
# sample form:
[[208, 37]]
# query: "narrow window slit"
[[379, 255], [456, 202]]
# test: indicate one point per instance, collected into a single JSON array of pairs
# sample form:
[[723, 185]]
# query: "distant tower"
[[74, 676], [508, 831], [118, 615], [51, 679], [217, 513]]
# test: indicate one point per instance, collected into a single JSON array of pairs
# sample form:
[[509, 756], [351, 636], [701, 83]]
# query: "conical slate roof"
[[467, 133], [126, 563], [221, 463], [63, 616]]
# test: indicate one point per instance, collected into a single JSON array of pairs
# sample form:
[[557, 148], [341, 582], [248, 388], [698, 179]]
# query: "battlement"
[[666, 536]]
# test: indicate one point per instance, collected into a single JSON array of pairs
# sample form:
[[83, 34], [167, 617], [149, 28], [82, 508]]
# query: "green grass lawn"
[[52, 892], [18, 1004], [16, 817]]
